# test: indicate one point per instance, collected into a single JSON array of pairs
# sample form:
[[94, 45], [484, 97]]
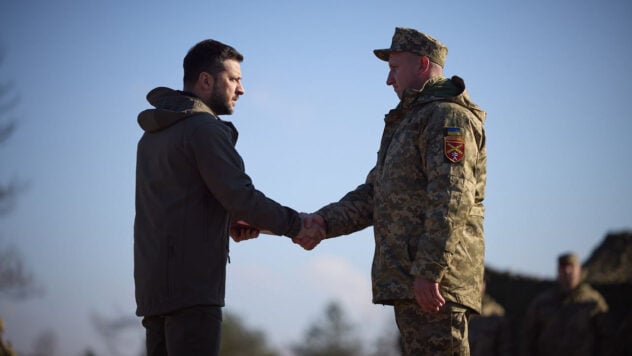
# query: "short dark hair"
[[207, 56]]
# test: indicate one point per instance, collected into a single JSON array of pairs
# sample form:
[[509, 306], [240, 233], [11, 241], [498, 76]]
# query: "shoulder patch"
[[454, 145]]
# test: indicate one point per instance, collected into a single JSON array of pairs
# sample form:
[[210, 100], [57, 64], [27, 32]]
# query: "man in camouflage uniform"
[[424, 198], [569, 319]]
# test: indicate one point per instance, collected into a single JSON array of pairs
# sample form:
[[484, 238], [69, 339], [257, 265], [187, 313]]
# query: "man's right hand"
[[312, 231]]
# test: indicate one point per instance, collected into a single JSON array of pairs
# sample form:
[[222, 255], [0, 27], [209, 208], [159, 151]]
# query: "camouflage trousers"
[[443, 333]]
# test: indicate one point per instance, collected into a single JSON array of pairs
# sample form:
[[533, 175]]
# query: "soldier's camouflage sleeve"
[[353, 212], [451, 193]]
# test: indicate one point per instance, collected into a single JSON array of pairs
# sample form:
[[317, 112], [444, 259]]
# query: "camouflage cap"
[[567, 259], [411, 40]]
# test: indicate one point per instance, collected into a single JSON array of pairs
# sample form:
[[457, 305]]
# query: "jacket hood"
[[171, 106], [444, 89]]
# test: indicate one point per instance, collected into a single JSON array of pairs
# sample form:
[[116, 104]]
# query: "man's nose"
[[389, 80]]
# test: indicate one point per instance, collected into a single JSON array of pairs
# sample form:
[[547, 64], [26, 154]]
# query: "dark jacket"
[[190, 182], [559, 322]]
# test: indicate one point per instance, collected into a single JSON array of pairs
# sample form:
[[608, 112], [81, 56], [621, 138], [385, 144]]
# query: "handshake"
[[312, 231]]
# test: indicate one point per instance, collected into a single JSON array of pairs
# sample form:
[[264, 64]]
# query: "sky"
[[553, 76]]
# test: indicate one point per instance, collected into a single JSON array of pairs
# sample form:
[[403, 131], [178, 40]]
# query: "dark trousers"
[[193, 331]]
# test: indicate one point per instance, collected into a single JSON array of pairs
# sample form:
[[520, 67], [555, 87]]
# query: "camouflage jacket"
[[424, 197], [561, 323]]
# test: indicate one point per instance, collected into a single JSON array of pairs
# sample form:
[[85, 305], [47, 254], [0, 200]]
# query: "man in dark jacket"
[[190, 185]]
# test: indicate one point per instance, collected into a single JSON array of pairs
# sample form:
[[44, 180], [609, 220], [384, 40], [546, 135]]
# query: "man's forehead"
[[232, 66], [398, 57], [231, 63]]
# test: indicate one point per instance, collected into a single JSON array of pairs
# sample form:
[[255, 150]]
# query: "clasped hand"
[[312, 231]]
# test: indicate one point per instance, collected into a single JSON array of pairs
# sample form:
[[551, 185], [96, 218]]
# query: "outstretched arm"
[[312, 231]]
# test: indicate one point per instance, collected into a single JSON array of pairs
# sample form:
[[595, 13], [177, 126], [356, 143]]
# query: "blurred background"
[[554, 78]]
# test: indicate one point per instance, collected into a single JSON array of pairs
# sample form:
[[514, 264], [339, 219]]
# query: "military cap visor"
[[413, 41], [382, 53]]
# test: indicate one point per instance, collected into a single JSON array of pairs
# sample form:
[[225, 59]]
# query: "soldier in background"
[[569, 319], [5, 347], [490, 332]]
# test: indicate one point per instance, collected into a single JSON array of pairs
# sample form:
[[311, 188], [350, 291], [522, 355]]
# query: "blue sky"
[[554, 77]]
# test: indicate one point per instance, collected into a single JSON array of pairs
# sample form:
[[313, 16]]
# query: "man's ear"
[[205, 82], [424, 64]]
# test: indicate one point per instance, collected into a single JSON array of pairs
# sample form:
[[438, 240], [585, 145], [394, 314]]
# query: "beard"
[[219, 102]]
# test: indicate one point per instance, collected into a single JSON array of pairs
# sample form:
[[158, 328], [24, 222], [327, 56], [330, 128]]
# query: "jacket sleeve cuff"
[[294, 223], [329, 215]]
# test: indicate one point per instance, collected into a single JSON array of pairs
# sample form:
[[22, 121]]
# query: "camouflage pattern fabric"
[[490, 332], [559, 323], [6, 349], [424, 197], [413, 41], [442, 333]]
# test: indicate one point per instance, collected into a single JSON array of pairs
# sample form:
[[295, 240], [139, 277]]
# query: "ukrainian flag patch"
[[454, 145]]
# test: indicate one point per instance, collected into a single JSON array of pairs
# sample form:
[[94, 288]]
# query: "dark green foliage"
[[332, 336], [239, 340]]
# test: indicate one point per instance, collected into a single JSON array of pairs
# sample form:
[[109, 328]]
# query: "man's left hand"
[[427, 295]]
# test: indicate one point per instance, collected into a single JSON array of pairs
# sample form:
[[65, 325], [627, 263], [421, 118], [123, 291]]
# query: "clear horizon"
[[553, 77]]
